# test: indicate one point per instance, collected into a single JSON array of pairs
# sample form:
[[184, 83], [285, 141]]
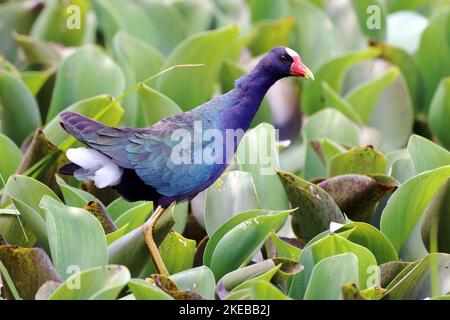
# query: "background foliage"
[[358, 202]]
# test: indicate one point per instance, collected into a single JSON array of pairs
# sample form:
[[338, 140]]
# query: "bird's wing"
[[147, 151], [155, 162]]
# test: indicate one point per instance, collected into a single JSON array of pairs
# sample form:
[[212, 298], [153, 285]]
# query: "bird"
[[153, 163]]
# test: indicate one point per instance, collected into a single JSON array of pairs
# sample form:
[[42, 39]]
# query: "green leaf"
[[138, 61], [13, 93], [143, 290], [356, 195], [436, 221], [441, 298], [74, 197], [26, 194], [330, 274], [275, 270], [268, 9], [269, 34], [155, 106], [235, 192], [258, 154], [13, 230], [244, 294], [200, 279], [35, 80], [335, 244], [433, 52], [53, 21], [310, 17], [84, 74], [440, 111], [197, 15], [172, 28], [264, 290], [372, 18], [129, 250], [177, 252], [135, 216], [224, 229], [364, 98], [333, 100], [16, 16], [117, 234], [99, 283], [284, 249], [405, 208], [103, 108], [333, 73], [125, 16], [37, 51], [180, 214], [335, 128], [10, 158], [426, 155], [250, 234], [361, 160], [28, 269], [408, 68], [333, 125], [399, 5], [241, 278], [393, 115], [400, 165], [190, 88], [120, 206], [141, 58], [318, 156], [64, 226], [370, 237], [425, 279], [316, 209], [299, 283]]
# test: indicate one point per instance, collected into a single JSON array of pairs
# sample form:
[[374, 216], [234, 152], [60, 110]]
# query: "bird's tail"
[[79, 126], [90, 163]]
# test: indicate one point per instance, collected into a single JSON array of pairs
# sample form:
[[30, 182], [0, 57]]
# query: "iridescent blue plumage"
[[146, 155]]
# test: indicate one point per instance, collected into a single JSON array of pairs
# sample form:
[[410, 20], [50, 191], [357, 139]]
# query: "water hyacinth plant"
[[339, 189]]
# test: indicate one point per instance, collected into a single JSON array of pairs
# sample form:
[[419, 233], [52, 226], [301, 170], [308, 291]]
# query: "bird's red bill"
[[298, 69]]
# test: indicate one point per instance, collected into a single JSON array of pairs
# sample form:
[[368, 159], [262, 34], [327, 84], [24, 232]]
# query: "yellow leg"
[[148, 229]]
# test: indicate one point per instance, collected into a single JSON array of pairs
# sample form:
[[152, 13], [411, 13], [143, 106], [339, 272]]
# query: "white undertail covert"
[[95, 166]]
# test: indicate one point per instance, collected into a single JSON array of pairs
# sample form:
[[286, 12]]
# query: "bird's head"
[[284, 62]]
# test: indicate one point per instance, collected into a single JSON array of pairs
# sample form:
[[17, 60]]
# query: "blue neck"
[[257, 82], [248, 93]]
